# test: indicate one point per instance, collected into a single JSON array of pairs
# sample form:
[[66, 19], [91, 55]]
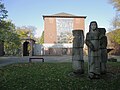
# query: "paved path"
[[10, 60]]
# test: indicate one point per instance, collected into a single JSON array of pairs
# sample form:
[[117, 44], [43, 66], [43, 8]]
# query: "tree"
[[114, 41], [3, 11], [116, 19], [8, 33], [10, 37], [116, 4], [26, 31], [3, 14], [42, 38], [116, 22], [114, 36]]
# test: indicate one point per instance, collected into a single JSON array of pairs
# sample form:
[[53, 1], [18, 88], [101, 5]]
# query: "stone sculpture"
[[77, 52], [103, 50], [93, 43]]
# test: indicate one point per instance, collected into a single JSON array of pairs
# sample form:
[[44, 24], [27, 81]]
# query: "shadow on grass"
[[55, 76]]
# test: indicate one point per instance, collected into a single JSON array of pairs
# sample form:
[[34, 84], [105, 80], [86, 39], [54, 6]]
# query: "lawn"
[[55, 76]]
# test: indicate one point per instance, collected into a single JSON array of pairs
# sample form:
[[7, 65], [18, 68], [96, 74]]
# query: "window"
[[64, 30]]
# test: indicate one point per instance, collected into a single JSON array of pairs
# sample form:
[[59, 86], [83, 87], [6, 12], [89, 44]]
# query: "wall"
[[50, 35], [79, 23], [49, 30]]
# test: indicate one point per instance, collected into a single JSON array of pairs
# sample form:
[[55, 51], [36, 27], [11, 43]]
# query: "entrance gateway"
[[27, 47]]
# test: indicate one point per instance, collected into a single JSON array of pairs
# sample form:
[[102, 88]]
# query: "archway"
[[26, 48]]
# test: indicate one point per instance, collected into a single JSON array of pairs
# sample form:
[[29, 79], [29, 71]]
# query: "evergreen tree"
[[42, 38]]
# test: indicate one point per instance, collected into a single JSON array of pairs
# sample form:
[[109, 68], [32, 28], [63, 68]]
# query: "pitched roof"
[[64, 15]]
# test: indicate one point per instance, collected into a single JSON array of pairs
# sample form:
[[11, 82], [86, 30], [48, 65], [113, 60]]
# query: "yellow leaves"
[[114, 36], [116, 4]]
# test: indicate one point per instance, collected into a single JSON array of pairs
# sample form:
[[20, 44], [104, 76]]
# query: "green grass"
[[55, 76]]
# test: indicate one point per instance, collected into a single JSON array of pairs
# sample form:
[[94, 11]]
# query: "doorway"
[[26, 47]]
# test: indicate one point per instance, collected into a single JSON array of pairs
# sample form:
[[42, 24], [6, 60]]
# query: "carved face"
[[93, 26]]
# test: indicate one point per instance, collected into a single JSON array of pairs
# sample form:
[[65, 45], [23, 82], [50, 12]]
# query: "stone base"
[[103, 72], [78, 72], [94, 76], [72, 74]]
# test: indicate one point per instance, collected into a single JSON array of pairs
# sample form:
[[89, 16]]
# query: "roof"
[[63, 15], [28, 39]]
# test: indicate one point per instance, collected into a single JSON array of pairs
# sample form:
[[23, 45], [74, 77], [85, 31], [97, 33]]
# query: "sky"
[[30, 12]]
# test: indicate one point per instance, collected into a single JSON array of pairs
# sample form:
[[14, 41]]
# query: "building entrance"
[[26, 48]]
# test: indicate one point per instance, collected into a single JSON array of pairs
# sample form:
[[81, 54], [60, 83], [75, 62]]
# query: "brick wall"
[[79, 23], [50, 33]]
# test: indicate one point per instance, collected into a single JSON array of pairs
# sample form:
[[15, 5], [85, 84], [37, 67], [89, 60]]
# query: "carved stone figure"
[[77, 52], [103, 50], [93, 43]]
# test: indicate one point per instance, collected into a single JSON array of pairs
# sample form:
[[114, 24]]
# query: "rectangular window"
[[64, 30]]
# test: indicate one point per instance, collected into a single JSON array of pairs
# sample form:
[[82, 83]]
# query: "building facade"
[[58, 32]]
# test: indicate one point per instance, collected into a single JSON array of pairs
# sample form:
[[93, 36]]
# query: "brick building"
[[58, 32]]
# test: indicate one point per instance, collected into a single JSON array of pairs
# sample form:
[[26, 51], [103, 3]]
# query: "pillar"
[[77, 52]]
